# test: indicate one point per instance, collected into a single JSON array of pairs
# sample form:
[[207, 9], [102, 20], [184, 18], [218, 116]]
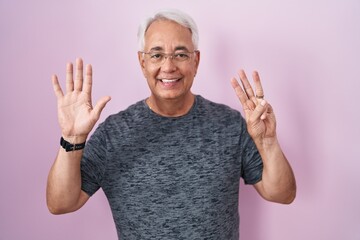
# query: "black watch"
[[71, 147]]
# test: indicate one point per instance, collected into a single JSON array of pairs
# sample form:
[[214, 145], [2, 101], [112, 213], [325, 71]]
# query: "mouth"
[[169, 83], [169, 80]]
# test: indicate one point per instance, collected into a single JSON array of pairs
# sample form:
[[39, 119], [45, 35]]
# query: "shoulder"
[[133, 111], [217, 111], [125, 118]]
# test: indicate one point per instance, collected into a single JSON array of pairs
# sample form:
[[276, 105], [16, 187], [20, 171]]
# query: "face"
[[170, 79]]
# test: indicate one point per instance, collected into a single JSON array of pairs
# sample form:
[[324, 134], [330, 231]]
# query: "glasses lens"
[[159, 57], [181, 57], [156, 57]]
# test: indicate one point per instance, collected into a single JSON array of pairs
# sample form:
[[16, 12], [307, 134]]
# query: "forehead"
[[168, 35]]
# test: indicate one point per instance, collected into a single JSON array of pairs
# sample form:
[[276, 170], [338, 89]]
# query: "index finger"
[[240, 93]]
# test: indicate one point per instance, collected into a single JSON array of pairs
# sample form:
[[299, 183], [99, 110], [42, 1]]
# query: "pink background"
[[307, 53]]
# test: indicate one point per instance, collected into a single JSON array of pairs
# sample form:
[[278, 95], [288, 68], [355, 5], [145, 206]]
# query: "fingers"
[[263, 111], [239, 92], [79, 75], [246, 85], [69, 78], [100, 106], [78, 84], [259, 92], [57, 89], [247, 96], [260, 111], [268, 112], [88, 80], [258, 87]]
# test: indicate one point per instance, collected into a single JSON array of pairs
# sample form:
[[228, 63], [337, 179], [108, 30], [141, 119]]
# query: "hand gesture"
[[76, 114], [259, 115]]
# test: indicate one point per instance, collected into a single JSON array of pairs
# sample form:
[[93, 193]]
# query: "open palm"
[[76, 114]]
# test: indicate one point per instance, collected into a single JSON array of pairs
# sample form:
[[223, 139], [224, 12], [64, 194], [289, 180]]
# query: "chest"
[[174, 159]]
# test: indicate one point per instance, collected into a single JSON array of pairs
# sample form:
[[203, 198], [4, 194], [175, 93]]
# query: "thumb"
[[100, 106], [260, 110]]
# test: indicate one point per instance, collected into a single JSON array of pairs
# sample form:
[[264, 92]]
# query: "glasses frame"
[[168, 55]]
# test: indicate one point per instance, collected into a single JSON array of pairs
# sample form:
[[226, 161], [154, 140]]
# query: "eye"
[[156, 56], [181, 56]]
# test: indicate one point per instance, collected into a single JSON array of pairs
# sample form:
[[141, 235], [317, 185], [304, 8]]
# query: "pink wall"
[[307, 53]]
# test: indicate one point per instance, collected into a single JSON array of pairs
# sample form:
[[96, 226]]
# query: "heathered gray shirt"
[[172, 178]]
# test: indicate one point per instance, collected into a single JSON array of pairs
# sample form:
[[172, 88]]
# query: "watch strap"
[[71, 147]]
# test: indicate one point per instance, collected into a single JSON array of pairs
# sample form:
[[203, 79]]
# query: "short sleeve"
[[93, 163], [252, 165]]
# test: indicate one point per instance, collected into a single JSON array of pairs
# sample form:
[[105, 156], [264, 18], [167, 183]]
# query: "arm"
[[278, 181], [77, 117], [64, 192]]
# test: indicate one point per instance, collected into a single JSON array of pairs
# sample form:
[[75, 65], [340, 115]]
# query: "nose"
[[168, 64]]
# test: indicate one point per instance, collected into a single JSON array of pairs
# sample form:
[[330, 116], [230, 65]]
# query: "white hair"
[[173, 15]]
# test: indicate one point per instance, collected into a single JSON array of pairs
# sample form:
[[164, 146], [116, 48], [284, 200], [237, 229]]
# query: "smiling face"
[[170, 79]]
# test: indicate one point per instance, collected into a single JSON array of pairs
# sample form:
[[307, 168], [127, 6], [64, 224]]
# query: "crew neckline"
[[153, 113]]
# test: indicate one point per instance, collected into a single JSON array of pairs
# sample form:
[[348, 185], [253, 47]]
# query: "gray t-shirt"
[[172, 178]]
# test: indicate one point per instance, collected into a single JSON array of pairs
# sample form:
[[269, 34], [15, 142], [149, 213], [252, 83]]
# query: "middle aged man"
[[170, 165]]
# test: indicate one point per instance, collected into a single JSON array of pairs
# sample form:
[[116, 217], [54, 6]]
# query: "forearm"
[[64, 182], [278, 181]]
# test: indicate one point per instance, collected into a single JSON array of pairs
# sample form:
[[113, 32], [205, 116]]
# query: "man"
[[170, 165]]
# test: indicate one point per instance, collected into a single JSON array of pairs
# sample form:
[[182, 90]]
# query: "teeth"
[[169, 80]]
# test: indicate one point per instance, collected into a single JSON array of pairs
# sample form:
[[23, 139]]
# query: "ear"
[[197, 60], [141, 61]]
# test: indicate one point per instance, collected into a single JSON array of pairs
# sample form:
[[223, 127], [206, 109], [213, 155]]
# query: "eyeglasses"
[[158, 58]]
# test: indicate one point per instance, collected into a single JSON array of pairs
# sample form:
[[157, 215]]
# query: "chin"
[[170, 95]]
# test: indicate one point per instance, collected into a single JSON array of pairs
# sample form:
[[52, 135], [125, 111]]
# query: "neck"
[[171, 107]]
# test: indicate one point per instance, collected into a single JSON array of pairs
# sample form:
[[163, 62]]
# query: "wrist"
[[267, 144], [270, 149], [71, 146], [78, 139]]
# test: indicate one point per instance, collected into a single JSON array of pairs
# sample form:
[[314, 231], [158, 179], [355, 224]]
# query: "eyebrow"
[[178, 48], [181, 48]]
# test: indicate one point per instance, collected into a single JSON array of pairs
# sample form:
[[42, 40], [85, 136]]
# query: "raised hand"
[[76, 114], [259, 115]]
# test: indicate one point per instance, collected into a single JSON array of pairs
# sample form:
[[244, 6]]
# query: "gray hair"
[[173, 15]]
